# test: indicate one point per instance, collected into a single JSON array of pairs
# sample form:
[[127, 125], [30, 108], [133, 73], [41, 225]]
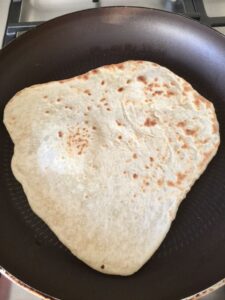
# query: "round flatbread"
[[106, 158]]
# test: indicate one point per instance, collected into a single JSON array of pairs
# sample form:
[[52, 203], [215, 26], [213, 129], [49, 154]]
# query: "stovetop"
[[25, 15]]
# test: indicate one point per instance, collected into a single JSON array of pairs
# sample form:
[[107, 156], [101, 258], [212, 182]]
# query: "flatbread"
[[106, 158]]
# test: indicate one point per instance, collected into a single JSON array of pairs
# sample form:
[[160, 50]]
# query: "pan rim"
[[44, 296], [155, 10]]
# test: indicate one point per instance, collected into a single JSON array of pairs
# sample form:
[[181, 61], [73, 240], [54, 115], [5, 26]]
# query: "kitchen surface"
[[19, 16]]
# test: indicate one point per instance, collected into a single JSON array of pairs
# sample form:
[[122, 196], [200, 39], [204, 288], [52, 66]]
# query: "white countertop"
[[4, 8]]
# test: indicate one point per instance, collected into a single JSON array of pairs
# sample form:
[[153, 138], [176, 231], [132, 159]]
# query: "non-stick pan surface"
[[192, 257]]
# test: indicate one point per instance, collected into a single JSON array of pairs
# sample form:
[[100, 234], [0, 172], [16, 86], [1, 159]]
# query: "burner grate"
[[194, 9]]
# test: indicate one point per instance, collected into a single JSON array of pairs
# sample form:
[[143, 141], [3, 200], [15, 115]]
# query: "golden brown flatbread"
[[106, 158]]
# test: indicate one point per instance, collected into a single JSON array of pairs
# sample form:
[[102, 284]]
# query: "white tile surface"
[[18, 293], [42, 10], [215, 8], [4, 8], [221, 29]]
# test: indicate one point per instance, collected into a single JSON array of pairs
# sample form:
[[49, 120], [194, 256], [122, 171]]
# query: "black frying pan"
[[192, 257]]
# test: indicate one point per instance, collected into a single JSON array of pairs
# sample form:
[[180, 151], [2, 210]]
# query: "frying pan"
[[191, 258]]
